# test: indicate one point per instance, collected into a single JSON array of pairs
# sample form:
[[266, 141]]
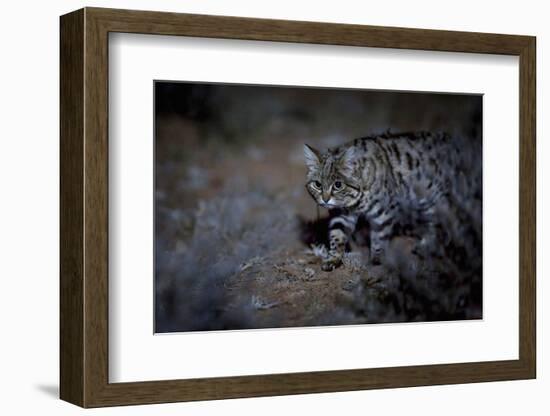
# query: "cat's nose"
[[326, 197]]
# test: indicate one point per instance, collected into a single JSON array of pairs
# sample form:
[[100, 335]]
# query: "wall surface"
[[29, 222]]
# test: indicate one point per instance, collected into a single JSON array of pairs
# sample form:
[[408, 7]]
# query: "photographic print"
[[283, 206]]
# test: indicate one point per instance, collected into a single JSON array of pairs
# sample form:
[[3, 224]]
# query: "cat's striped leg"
[[340, 229], [377, 247], [381, 232]]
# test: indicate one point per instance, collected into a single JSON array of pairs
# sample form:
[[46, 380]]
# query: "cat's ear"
[[313, 157], [347, 159]]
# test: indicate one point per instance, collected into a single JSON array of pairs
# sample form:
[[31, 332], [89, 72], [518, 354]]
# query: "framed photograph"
[[257, 207]]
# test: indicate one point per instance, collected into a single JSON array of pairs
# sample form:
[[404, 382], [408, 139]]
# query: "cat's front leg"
[[340, 229], [381, 232], [377, 248]]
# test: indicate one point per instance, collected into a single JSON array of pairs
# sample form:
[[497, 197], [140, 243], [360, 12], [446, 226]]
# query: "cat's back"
[[417, 152], [422, 157], [406, 151], [402, 144]]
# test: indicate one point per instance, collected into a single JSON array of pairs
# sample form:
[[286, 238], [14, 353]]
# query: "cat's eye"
[[338, 185], [316, 184]]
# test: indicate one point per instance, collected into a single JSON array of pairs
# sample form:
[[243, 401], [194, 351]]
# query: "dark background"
[[237, 238]]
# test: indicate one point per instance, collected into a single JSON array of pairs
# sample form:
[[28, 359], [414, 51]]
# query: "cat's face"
[[331, 178]]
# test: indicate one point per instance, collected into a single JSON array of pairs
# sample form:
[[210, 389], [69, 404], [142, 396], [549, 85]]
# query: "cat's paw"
[[376, 260], [330, 265], [377, 257]]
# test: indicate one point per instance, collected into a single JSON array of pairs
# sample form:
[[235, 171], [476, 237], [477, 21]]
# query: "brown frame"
[[84, 212]]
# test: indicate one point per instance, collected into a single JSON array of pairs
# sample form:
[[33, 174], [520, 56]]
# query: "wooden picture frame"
[[84, 207]]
